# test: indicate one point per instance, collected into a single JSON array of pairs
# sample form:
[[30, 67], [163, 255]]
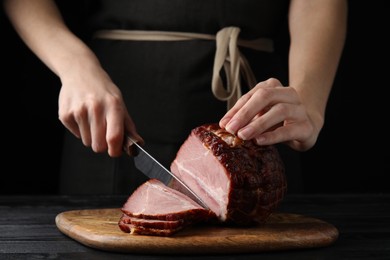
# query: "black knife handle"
[[129, 147]]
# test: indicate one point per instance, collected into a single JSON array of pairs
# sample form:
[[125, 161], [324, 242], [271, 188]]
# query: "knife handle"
[[128, 145]]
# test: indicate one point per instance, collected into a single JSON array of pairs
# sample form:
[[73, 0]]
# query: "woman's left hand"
[[271, 113]]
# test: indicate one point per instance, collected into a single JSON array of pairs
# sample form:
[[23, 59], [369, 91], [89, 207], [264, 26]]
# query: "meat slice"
[[154, 200], [142, 230], [156, 209], [241, 182], [152, 223], [150, 226]]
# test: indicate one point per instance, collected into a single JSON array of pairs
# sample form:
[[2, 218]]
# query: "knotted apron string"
[[227, 55]]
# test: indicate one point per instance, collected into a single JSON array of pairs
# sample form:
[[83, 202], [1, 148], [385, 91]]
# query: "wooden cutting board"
[[98, 228]]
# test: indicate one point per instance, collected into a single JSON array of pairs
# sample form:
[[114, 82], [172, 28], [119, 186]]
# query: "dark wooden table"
[[28, 230]]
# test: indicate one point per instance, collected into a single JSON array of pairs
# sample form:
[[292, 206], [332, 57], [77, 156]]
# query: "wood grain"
[[98, 228]]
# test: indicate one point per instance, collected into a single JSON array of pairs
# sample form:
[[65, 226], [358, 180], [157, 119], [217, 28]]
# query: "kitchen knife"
[[153, 169]]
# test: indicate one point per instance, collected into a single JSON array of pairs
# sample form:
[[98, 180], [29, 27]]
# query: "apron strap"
[[227, 55]]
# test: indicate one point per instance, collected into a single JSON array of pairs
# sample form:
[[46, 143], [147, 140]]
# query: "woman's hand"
[[90, 104], [294, 115], [271, 113], [92, 108]]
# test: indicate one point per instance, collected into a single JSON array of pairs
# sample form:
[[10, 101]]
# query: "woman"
[[171, 85]]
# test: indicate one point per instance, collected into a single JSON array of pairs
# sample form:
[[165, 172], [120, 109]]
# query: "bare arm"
[[40, 25], [271, 113], [318, 29], [90, 104]]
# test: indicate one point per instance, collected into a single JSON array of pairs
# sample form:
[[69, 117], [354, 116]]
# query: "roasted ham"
[[242, 184]]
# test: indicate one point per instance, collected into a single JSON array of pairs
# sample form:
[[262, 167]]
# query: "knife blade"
[[152, 168]]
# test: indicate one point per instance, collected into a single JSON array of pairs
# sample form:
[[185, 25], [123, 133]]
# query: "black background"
[[350, 156]]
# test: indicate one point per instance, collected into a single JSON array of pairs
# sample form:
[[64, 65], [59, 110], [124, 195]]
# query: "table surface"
[[28, 230]]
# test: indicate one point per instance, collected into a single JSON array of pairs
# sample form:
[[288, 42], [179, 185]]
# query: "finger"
[[278, 135], [239, 115], [115, 130], [98, 127], [235, 117], [295, 135], [237, 106], [255, 103], [267, 120], [82, 120], [261, 102], [69, 122], [227, 118]]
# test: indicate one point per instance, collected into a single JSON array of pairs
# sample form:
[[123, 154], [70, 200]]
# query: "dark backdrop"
[[350, 156]]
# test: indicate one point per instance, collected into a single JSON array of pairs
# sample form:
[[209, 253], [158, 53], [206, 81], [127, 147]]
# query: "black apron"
[[167, 85]]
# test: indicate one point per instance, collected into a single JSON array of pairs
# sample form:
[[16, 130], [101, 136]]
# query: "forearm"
[[40, 25], [317, 29]]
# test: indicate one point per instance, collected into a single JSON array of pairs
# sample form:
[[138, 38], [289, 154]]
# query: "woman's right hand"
[[92, 108], [90, 104]]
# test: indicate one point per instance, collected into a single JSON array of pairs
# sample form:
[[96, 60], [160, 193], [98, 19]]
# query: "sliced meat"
[[152, 223], [156, 227], [156, 209], [154, 200], [142, 230]]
